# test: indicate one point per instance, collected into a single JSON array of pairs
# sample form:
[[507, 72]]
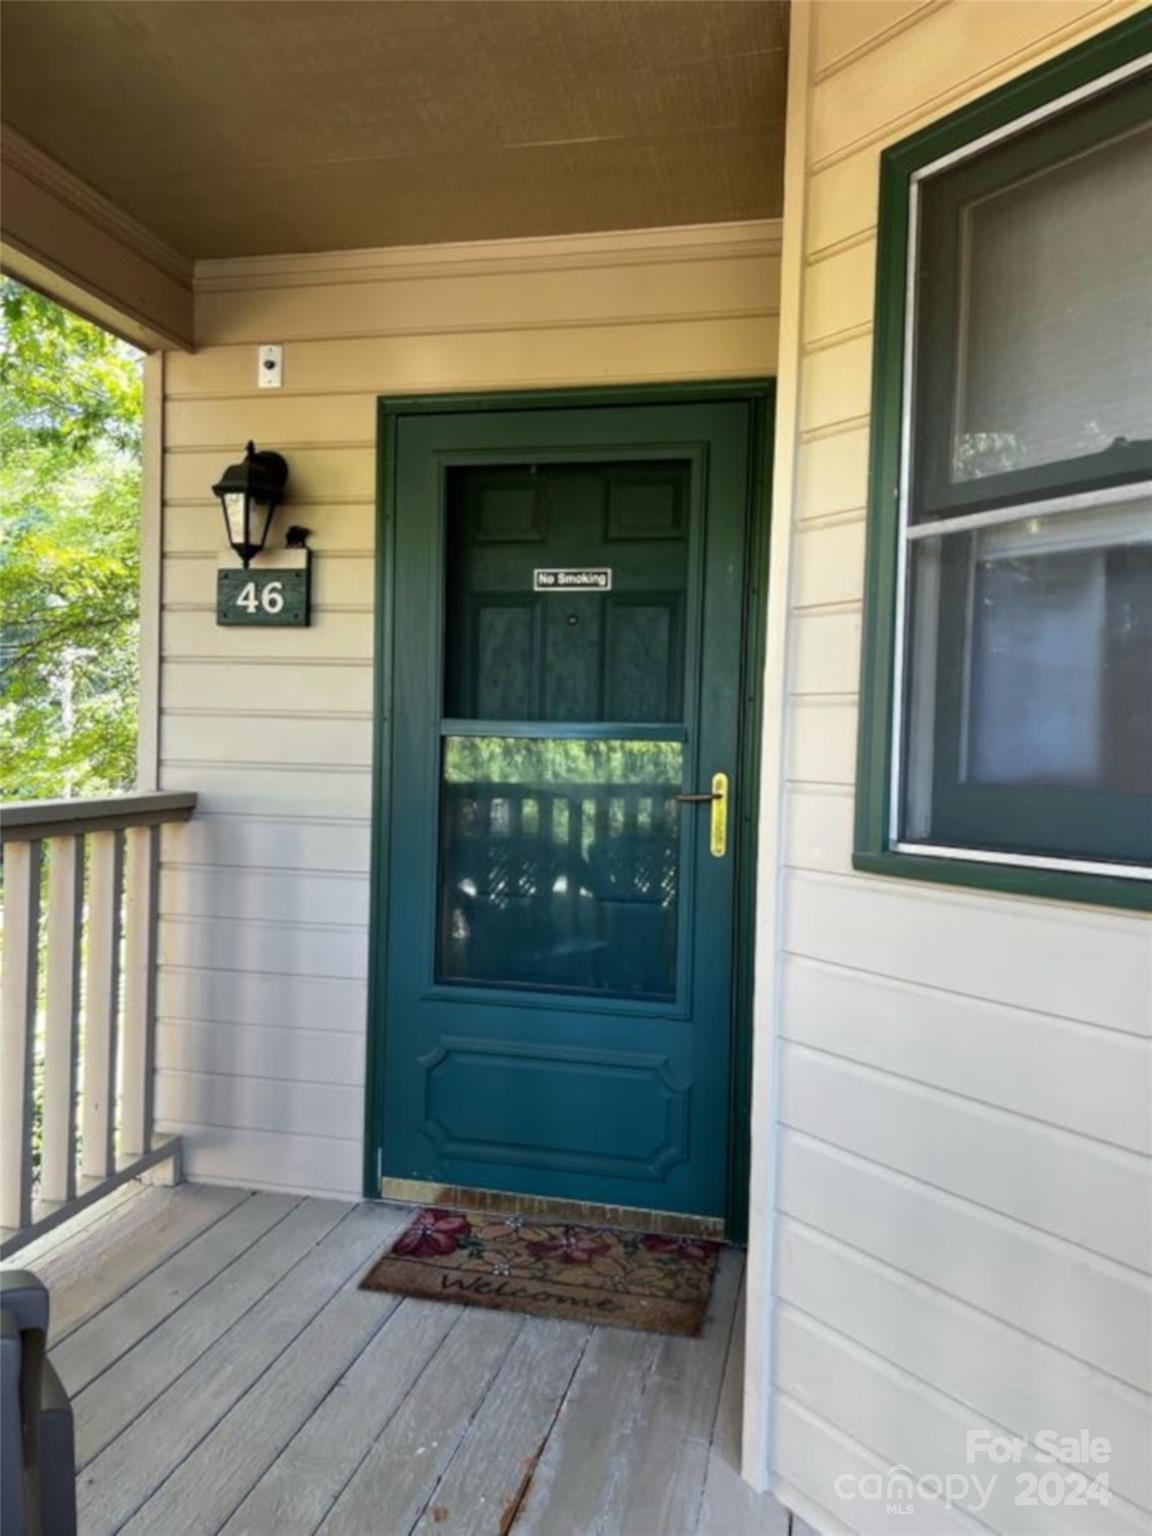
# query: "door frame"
[[760, 397]]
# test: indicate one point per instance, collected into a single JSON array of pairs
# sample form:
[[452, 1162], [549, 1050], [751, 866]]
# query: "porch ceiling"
[[296, 125]]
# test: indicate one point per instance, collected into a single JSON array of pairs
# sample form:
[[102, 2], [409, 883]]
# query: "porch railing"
[[77, 1027]]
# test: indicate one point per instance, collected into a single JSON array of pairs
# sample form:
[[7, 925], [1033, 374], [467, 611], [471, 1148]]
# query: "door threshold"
[[579, 1212]]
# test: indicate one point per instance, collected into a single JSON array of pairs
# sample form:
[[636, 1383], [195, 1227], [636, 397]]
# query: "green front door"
[[554, 953]]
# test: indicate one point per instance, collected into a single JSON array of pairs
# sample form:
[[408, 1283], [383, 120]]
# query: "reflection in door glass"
[[559, 864]]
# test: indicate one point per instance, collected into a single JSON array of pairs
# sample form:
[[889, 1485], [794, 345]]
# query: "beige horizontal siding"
[[320, 472], [704, 347], [829, 564], [920, 71], [264, 895], [838, 292], [339, 583], [965, 1079], [632, 291], [836, 385], [193, 529], [845, 30], [832, 473]]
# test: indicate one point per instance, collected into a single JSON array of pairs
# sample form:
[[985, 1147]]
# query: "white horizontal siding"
[[1070, 1075], [1087, 1306], [204, 995], [821, 746], [259, 1103], [826, 652], [331, 636], [1015, 1380], [269, 1052], [816, 1454], [276, 791], [272, 688], [818, 827], [913, 1423], [297, 1162], [264, 894], [1073, 1187], [964, 1079], [279, 949], [1075, 963], [342, 580], [203, 735], [261, 843]]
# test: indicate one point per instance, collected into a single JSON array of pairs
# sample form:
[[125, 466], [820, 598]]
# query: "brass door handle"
[[718, 799]]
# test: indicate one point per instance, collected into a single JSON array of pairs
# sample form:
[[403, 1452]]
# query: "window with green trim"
[[1010, 621]]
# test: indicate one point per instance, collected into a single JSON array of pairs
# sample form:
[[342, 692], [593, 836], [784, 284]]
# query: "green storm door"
[[556, 965]]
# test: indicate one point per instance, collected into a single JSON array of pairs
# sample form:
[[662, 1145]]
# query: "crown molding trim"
[[752, 240], [19, 154], [62, 237]]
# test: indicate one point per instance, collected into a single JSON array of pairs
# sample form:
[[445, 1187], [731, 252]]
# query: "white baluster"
[[102, 1004], [61, 1018], [17, 1024]]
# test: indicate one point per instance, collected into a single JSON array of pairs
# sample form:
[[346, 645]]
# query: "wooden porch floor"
[[228, 1375]]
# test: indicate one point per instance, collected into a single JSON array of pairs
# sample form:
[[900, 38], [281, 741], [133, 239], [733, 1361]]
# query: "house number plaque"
[[274, 595]]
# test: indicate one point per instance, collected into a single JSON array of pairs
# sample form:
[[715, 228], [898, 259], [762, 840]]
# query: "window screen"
[[1055, 314], [1025, 673]]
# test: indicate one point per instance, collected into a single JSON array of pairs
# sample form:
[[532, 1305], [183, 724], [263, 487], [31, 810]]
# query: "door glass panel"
[[559, 864]]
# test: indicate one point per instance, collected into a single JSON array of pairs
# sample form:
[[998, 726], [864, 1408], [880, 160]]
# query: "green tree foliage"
[[70, 411]]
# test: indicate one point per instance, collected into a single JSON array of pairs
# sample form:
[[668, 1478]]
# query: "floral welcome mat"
[[592, 1274]]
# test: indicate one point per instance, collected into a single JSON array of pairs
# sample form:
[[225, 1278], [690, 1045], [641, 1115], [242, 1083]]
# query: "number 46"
[[269, 597]]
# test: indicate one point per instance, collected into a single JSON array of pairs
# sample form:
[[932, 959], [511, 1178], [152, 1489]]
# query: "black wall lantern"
[[249, 495]]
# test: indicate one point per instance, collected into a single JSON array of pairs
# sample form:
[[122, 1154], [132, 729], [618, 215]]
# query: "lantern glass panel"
[[259, 519], [234, 513]]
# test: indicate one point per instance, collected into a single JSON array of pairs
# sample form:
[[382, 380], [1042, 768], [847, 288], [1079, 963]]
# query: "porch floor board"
[[228, 1375]]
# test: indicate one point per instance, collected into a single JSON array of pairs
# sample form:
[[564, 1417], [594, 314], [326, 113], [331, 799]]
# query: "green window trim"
[[1078, 68]]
